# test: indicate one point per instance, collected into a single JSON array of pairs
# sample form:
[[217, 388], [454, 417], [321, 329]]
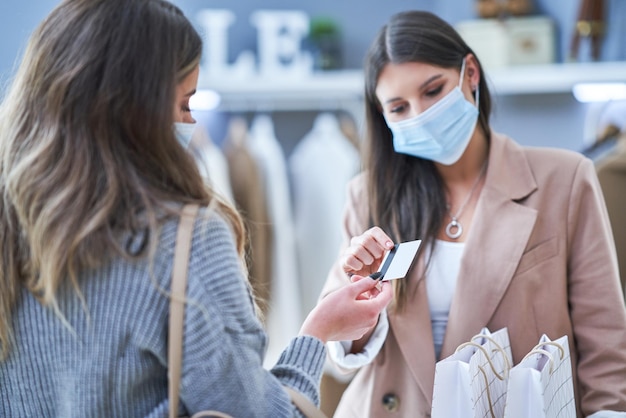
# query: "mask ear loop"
[[462, 74], [476, 90]]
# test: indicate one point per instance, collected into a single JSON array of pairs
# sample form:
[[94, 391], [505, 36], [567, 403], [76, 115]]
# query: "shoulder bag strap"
[[177, 305], [303, 403]]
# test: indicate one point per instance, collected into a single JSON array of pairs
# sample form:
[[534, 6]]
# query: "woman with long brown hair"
[[93, 175]]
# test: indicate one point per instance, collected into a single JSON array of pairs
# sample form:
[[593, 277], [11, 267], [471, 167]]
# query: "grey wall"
[[17, 20], [555, 120], [361, 19]]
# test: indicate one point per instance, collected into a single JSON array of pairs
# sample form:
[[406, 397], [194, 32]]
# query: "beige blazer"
[[540, 258], [612, 175]]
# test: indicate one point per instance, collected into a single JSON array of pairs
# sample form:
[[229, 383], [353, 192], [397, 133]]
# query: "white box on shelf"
[[512, 41]]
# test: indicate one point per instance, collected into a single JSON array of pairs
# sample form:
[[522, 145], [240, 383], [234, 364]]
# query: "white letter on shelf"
[[280, 34]]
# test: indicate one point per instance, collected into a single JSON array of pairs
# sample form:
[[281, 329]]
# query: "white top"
[[441, 278]]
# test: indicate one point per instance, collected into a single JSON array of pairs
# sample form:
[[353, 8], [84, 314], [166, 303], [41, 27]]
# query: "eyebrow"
[[191, 93], [424, 84]]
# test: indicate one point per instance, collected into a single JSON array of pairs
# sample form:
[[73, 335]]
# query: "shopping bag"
[[541, 385], [472, 382]]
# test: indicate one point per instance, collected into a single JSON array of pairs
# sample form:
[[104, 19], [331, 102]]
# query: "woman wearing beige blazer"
[[512, 237]]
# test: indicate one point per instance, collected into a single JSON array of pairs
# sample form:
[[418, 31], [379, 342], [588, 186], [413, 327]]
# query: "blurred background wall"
[[554, 119]]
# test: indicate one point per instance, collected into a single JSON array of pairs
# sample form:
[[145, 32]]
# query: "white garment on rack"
[[321, 165], [212, 163], [284, 319]]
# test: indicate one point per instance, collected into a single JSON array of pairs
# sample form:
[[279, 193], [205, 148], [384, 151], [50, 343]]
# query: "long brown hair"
[[87, 148], [407, 196]]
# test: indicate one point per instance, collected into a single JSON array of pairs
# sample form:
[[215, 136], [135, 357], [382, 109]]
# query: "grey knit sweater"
[[113, 361]]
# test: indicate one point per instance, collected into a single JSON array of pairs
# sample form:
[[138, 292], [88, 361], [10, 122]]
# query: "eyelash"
[[397, 109], [430, 94], [185, 109], [434, 92]]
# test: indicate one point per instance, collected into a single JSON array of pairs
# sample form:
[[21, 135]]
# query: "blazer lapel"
[[413, 332], [500, 230]]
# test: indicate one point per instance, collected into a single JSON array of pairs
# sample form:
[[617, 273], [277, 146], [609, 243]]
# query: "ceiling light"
[[204, 99], [599, 92]]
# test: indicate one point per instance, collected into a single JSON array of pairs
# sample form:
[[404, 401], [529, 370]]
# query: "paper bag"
[[472, 382], [541, 385]]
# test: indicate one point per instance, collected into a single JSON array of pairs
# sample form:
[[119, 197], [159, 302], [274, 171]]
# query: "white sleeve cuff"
[[339, 351]]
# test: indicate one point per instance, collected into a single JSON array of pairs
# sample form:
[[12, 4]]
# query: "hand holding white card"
[[398, 261]]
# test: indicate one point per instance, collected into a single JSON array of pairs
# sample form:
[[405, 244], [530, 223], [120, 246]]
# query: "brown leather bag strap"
[[303, 403], [177, 304]]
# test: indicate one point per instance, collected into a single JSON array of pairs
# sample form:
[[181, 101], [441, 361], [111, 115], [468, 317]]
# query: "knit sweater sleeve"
[[224, 342]]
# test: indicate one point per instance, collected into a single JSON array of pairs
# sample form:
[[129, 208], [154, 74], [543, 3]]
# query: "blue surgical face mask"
[[184, 132], [440, 133]]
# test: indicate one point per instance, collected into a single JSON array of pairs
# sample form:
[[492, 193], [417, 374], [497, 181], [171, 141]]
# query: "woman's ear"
[[472, 71]]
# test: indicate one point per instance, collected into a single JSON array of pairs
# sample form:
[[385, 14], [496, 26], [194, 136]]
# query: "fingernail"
[[389, 244]]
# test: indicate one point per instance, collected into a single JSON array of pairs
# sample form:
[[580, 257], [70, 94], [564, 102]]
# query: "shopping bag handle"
[[488, 391], [498, 348], [541, 351], [552, 343], [493, 368], [487, 356]]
